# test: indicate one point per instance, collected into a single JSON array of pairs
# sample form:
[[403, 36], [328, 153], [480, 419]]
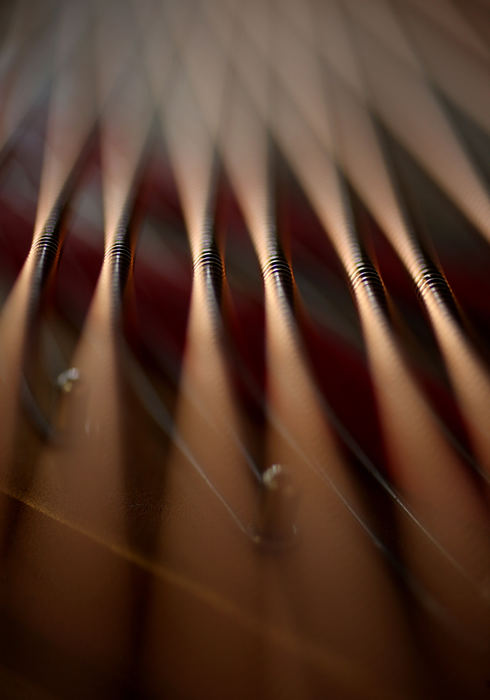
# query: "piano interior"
[[244, 349]]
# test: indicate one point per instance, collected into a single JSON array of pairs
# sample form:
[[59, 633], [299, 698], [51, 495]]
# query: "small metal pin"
[[276, 526], [67, 379]]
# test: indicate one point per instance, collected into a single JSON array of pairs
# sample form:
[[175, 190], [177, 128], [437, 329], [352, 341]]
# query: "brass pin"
[[278, 506]]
